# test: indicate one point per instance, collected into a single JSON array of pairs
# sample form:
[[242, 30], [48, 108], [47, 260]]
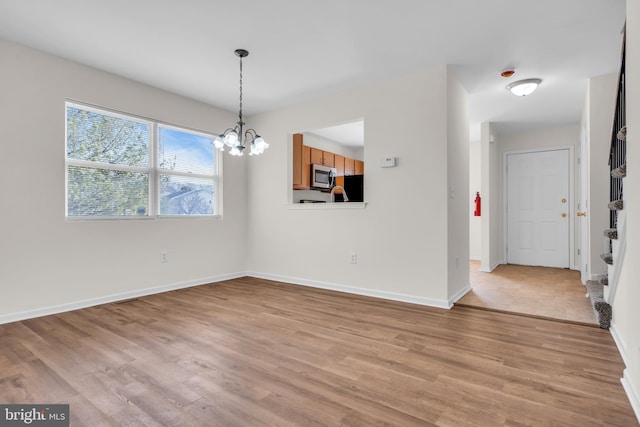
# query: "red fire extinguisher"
[[476, 212]]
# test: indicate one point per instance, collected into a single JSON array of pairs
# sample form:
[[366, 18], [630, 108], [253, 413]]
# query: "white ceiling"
[[301, 49], [349, 134]]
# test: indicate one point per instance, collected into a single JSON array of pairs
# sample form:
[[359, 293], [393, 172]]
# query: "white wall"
[[458, 181], [475, 185], [601, 100], [626, 315], [491, 219], [552, 137], [47, 262], [401, 236]]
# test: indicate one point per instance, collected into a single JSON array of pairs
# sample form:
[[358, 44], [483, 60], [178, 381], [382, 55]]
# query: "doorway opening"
[[530, 235]]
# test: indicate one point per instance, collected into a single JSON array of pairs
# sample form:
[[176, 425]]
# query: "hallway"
[[537, 291]]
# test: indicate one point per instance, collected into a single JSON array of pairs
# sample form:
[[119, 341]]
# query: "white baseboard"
[[61, 308], [353, 290], [490, 269], [632, 394], [622, 347], [475, 258], [459, 295]]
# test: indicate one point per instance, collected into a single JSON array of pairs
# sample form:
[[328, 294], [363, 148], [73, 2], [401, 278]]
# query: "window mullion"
[[185, 174], [109, 166], [154, 203]]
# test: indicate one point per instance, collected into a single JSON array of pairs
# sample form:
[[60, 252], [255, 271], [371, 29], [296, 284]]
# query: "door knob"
[[581, 214], [564, 214]]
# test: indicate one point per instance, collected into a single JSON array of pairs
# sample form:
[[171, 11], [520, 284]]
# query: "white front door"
[[538, 208]]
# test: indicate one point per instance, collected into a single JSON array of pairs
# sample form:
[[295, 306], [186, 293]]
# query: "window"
[[186, 166], [120, 166]]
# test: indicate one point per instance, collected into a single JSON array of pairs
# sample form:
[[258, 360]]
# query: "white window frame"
[[152, 169]]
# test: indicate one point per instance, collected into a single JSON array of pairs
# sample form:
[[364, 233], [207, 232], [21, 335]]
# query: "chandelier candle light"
[[233, 137]]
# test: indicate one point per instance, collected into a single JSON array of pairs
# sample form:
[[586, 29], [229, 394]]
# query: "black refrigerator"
[[354, 187]]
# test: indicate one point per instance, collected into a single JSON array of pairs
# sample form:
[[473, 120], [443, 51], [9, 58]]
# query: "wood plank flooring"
[[554, 293], [251, 352]]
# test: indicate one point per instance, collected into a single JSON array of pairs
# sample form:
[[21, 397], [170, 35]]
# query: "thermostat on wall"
[[387, 162]]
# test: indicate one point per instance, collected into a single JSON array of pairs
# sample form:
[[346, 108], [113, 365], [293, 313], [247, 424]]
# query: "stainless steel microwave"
[[322, 176]]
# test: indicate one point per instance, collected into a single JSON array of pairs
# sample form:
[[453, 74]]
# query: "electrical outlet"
[[354, 258], [164, 257]]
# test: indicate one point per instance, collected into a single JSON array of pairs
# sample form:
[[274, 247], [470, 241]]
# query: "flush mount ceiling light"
[[524, 87], [233, 137]]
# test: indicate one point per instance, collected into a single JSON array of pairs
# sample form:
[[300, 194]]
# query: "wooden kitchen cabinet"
[[325, 158], [297, 160], [349, 166], [359, 167], [339, 165], [316, 156], [328, 159], [306, 167], [301, 163]]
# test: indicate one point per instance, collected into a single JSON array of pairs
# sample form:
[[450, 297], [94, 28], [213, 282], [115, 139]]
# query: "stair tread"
[[601, 308], [616, 205], [622, 134], [611, 233], [594, 288], [619, 172], [604, 280]]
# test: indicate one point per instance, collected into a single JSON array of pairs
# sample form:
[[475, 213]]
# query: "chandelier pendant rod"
[[241, 53]]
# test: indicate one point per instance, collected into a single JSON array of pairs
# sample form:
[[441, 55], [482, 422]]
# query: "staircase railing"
[[618, 150], [602, 292]]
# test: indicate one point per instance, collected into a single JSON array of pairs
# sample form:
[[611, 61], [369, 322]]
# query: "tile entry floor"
[[538, 291]]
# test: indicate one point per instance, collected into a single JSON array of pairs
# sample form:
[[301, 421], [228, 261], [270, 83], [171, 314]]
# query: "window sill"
[[325, 206], [89, 218]]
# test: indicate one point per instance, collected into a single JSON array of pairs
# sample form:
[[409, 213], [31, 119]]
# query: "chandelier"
[[234, 138]]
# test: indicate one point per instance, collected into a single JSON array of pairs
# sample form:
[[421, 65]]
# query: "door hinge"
[[578, 251]]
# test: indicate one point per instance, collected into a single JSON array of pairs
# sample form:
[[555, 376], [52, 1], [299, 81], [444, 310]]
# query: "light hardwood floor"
[[251, 352], [554, 293]]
